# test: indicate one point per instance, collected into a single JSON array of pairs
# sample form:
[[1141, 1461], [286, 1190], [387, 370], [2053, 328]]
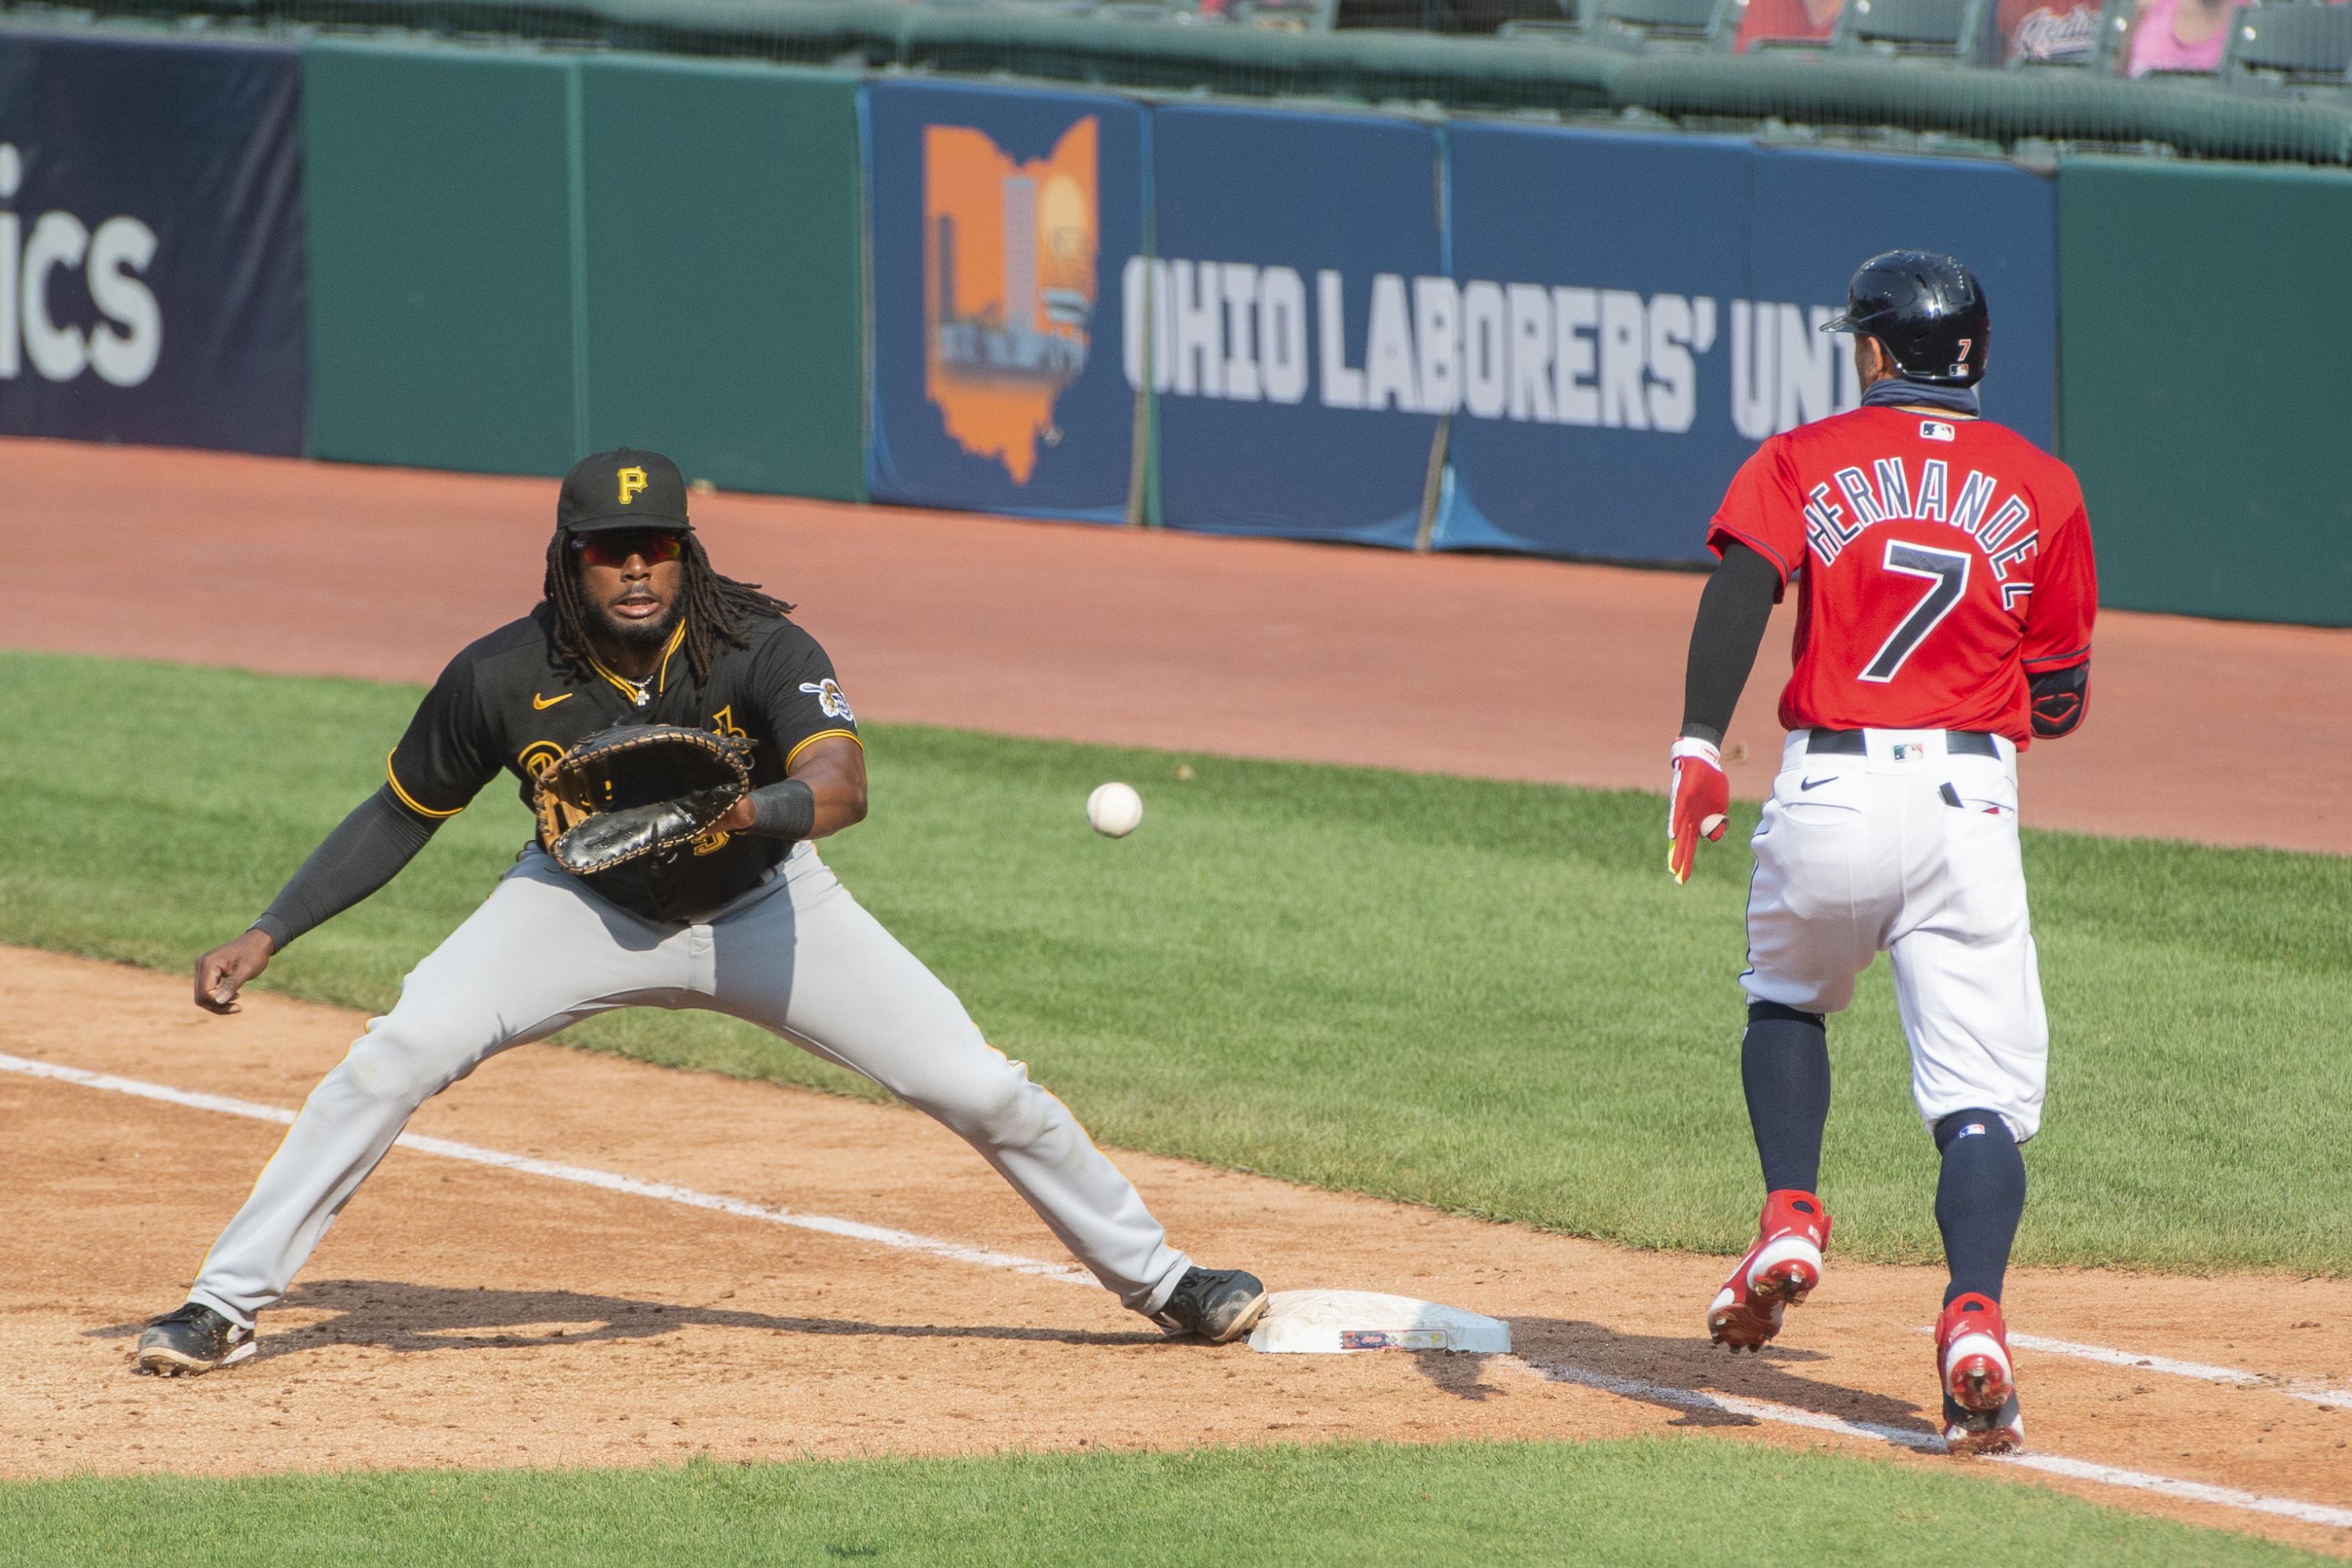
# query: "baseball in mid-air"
[[1114, 809]]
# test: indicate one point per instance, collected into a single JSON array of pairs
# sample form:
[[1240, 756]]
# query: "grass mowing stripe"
[[1482, 996], [1662, 1500]]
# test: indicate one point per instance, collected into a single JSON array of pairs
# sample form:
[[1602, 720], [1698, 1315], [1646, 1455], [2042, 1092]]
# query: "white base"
[[1334, 1322]]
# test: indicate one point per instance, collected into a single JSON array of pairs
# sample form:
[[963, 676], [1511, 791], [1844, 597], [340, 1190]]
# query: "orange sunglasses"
[[614, 547]]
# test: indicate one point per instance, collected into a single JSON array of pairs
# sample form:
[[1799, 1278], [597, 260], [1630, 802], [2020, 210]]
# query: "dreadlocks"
[[714, 609]]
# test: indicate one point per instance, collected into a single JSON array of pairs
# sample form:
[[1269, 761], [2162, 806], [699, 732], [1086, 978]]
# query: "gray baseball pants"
[[797, 955]]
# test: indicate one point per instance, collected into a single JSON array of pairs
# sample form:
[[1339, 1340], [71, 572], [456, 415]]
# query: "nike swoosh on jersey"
[[543, 704], [1810, 783]]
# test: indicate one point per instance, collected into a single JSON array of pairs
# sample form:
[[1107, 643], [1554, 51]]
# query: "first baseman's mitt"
[[636, 790]]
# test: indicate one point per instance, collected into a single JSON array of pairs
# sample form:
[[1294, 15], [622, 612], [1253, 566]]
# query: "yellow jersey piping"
[[677, 640], [408, 800], [630, 688], [821, 735]]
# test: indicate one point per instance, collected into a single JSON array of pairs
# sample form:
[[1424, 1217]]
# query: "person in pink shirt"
[[2178, 35]]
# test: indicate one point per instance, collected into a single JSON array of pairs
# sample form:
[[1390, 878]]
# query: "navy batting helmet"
[[1927, 310]]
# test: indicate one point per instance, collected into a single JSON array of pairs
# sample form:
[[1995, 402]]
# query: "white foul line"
[[2308, 1389], [2317, 1393], [1624, 1388], [855, 1230], [2048, 1464]]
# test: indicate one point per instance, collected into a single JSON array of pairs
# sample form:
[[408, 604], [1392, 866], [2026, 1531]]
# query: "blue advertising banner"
[[151, 232], [1639, 312], [1288, 293], [1597, 271], [1000, 222]]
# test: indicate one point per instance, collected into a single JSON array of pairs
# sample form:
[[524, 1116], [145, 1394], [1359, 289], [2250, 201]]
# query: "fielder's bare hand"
[[224, 971]]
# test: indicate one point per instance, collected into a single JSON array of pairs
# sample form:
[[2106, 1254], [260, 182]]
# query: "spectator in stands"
[[1787, 21], [2046, 32], [2178, 35]]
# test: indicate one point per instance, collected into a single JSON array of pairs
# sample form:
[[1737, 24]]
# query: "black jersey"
[[506, 702]]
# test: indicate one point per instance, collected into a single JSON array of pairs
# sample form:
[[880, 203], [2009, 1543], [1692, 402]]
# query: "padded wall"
[[518, 258], [2203, 323], [440, 249], [721, 234]]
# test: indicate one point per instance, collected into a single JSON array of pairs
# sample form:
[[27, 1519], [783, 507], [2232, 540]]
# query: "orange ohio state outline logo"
[[1009, 285]]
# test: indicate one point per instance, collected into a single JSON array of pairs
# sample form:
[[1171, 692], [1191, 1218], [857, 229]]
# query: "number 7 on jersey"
[[1947, 572]]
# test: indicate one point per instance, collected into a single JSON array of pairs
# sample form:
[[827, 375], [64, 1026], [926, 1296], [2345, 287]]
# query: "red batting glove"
[[1698, 804]]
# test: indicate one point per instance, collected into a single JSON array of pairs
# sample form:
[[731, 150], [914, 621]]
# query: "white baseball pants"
[[1911, 850], [797, 955]]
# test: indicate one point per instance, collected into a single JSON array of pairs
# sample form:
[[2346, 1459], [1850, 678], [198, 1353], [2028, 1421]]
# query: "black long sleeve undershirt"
[[1726, 633], [366, 850]]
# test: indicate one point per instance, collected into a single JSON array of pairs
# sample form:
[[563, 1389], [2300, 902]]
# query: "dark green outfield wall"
[[2204, 325], [518, 259], [723, 235], [439, 243]]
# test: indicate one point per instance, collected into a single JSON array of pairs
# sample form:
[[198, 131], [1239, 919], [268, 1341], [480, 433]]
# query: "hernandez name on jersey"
[[1940, 563]]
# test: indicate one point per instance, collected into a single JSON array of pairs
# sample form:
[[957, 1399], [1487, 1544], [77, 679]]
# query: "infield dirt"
[[624, 1330], [629, 1330]]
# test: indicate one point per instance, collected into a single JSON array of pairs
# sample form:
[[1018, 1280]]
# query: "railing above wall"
[[1480, 75]]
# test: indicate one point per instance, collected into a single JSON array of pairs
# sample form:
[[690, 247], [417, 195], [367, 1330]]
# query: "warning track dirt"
[[1496, 667]]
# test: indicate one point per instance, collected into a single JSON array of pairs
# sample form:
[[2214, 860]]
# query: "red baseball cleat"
[[1980, 1411], [1779, 1272]]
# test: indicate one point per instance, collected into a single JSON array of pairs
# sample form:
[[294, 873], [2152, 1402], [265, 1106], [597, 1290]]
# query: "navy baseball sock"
[[1979, 1199], [1784, 1065]]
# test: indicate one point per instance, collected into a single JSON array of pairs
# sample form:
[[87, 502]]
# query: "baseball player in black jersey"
[[637, 628]]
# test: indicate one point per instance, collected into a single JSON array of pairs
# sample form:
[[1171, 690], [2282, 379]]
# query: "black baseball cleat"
[[1219, 1304], [190, 1339]]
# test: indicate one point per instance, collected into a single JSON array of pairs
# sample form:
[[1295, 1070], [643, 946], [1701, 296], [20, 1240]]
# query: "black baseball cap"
[[623, 489]]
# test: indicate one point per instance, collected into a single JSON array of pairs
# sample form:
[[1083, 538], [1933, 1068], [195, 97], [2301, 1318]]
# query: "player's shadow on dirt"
[[1680, 1372], [1463, 1376], [396, 1316]]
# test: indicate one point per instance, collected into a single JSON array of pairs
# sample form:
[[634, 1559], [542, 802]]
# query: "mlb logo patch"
[[1935, 430]]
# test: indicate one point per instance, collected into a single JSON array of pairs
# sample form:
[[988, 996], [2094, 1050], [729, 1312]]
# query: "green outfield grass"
[[1667, 1500], [1484, 997]]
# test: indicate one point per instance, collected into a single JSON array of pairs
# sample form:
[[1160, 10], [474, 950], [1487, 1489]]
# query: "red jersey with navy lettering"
[[1939, 561]]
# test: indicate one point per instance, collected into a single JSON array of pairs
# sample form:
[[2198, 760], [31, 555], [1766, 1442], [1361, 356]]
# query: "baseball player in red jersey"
[[1945, 594]]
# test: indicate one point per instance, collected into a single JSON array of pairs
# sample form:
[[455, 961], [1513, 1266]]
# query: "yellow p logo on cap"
[[632, 481]]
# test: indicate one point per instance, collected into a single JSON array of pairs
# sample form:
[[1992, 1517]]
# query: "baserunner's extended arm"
[[1733, 610], [1729, 627]]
